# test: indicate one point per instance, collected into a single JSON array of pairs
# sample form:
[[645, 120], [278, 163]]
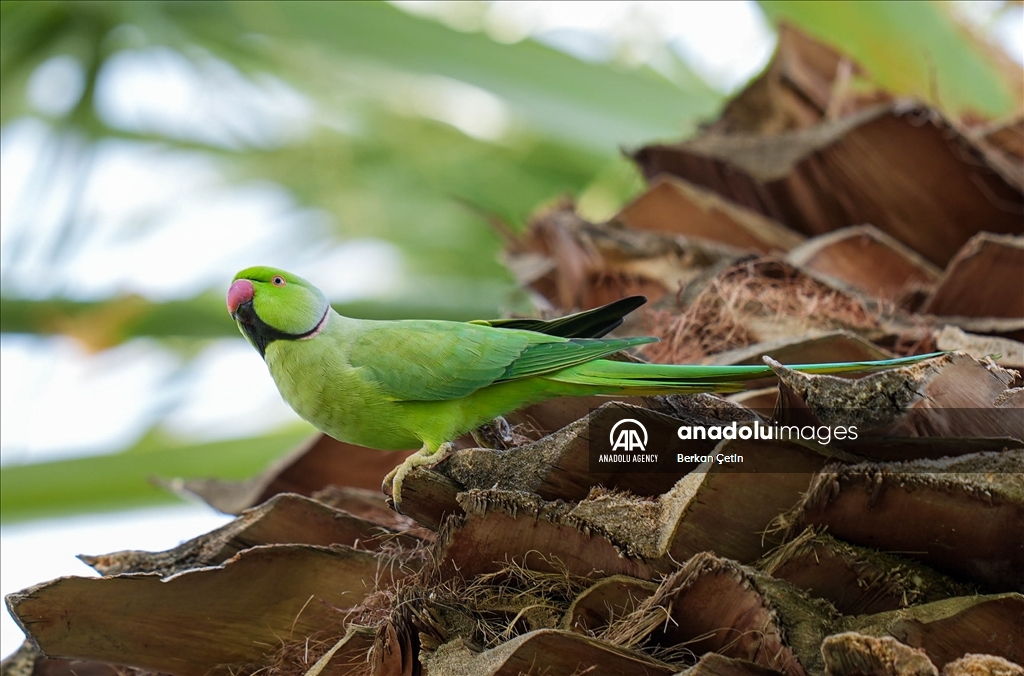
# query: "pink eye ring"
[[278, 280]]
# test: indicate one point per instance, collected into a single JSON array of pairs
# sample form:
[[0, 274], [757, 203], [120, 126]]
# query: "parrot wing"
[[594, 323], [548, 358], [436, 361]]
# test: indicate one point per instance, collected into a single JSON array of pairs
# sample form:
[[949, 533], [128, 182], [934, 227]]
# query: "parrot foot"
[[421, 458]]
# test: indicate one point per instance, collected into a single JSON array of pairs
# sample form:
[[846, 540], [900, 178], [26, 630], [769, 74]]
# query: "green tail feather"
[[666, 378]]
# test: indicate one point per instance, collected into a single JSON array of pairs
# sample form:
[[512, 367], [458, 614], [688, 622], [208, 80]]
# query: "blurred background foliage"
[[151, 149]]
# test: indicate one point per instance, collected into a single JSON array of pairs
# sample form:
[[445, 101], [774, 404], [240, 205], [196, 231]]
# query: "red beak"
[[240, 293]]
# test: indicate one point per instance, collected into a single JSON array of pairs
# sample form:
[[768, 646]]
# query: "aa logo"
[[628, 435]]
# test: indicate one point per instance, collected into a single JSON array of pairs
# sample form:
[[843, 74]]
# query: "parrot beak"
[[240, 301]]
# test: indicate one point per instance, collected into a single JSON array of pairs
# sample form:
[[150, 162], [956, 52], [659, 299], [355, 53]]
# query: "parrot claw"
[[424, 457]]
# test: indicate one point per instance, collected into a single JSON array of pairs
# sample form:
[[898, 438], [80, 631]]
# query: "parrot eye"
[[277, 281]]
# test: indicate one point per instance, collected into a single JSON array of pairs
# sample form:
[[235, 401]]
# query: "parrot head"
[[271, 304]]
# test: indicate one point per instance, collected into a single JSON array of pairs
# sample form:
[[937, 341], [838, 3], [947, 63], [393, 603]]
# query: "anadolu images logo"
[[632, 437]]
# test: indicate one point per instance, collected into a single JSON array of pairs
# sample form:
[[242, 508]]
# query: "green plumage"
[[403, 384]]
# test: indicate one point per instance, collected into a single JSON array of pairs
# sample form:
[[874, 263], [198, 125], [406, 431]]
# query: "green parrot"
[[396, 385]]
